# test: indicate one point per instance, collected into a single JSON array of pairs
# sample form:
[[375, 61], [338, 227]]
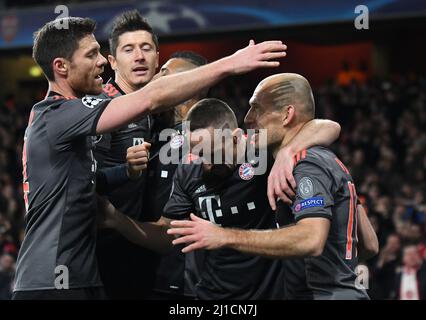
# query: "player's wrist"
[[132, 173], [226, 66]]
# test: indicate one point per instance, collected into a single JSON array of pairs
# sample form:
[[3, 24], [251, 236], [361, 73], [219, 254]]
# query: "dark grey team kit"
[[59, 191], [59, 188], [325, 189]]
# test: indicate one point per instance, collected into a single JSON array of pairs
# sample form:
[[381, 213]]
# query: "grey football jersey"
[[325, 189], [59, 188]]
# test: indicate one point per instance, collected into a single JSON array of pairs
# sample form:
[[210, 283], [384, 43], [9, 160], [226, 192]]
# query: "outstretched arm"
[[281, 183], [150, 235], [306, 238], [171, 90]]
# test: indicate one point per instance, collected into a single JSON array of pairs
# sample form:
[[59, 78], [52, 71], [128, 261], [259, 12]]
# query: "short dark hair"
[[190, 56], [129, 21], [211, 112], [53, 40], [196, 60]]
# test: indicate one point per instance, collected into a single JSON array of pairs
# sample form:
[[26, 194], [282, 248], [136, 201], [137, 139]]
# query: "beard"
[[217, 174]]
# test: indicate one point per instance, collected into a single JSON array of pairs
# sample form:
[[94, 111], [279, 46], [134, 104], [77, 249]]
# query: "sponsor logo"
[[306, 188], [201, 189], [309, 203], [246, 171]]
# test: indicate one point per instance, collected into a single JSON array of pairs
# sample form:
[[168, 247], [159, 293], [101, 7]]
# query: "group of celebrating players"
[[107, 217]]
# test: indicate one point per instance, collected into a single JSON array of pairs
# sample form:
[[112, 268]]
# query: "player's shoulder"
[[320, 159], [189, 168], [109, 91], [315, 157]]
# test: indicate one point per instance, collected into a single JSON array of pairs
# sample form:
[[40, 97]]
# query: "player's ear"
[[112, 61], [288, 115], [60, 66]]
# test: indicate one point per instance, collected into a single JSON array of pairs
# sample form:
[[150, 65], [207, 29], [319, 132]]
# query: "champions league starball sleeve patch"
[[306, 188], [91, 102]]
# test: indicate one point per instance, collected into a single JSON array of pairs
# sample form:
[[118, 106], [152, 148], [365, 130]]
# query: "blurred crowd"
[[383, 143]]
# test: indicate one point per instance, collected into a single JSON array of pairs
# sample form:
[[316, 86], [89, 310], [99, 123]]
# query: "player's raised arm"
[[170, 90]]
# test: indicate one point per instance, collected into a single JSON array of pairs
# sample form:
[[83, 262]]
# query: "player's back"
[[325, 189]]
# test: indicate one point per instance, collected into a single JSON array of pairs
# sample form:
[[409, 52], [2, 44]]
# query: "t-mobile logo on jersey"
[[209, 207], [206, 204]]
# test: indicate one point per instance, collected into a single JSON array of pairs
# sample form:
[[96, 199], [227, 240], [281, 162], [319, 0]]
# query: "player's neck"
[[289, 135], [63, 89], [125, 86]]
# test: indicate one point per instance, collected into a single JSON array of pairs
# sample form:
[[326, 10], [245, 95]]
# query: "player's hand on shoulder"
[[137, 159], [281, 182]]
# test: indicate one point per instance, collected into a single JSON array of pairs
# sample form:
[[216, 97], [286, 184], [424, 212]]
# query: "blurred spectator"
[[7, 273], [410, 282]]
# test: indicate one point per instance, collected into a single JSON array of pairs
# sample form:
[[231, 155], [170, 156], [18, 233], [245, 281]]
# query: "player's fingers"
[[251, 42], [273, 46], [273, 55], [278, 193], [268, 64], [136, 148], [138, 161], [292, 181], [147, 145], [285, 198], [195, 218], [192, 247], [137, 155], [182, 223], [271, 194], [185, 239], [287, 189], [180, 231]]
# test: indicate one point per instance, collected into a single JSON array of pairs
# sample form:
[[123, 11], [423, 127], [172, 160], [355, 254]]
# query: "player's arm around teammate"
[[151, 235], [281, 183]]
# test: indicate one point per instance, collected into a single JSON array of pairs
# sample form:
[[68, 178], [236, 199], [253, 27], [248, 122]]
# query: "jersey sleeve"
[[180, 204], [313, 196], [74, 118], [108, 179]]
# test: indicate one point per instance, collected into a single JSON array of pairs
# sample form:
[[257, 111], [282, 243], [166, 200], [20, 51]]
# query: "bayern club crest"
[[177, 141], [246, 171]]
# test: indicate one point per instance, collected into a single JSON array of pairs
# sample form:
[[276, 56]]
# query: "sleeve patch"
[[309, 203], [91, 102], [306, 188]]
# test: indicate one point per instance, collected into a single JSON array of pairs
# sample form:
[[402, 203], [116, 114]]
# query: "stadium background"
[[373, 82]]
